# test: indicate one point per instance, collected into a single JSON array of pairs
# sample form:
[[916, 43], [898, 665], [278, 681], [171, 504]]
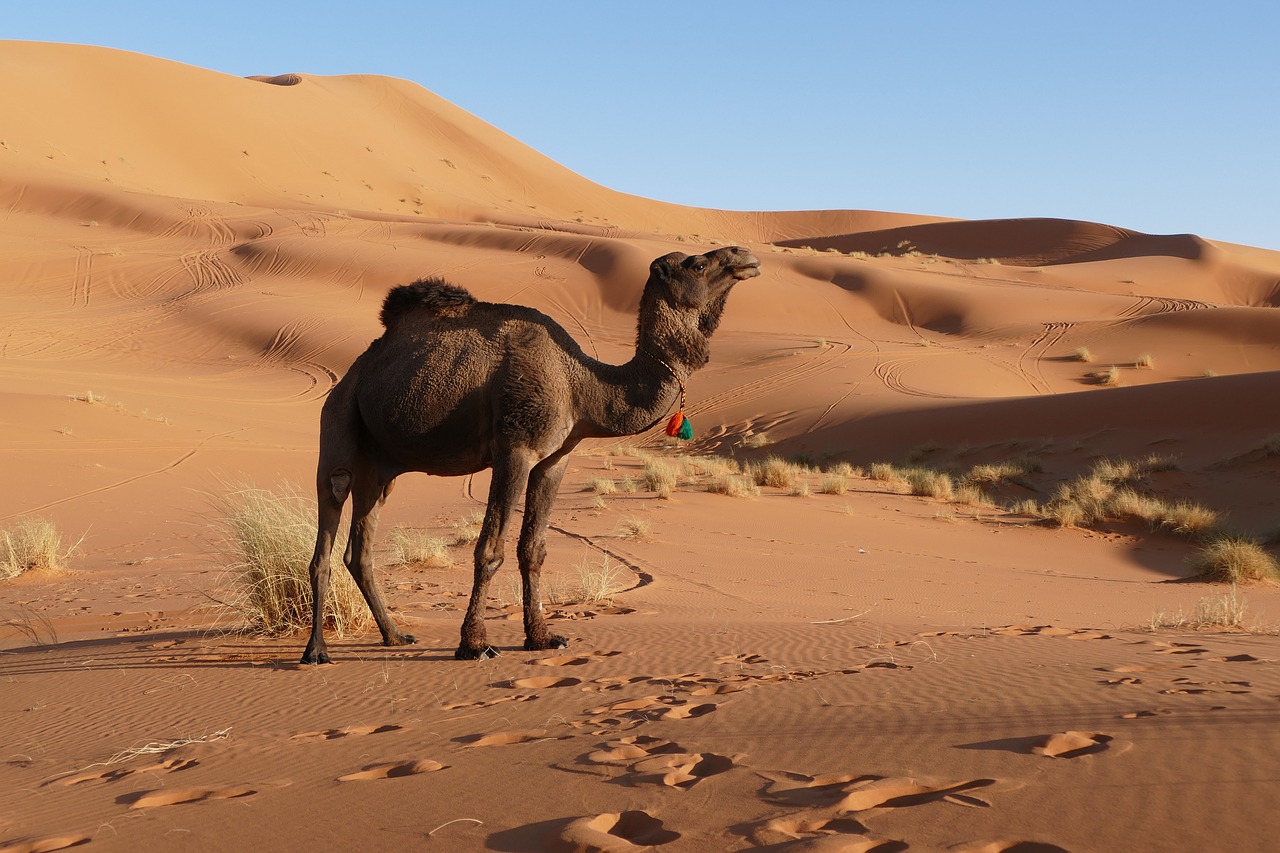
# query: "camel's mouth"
[[748, 269]]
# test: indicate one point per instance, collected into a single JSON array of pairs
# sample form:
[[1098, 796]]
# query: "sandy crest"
[[189, 261]]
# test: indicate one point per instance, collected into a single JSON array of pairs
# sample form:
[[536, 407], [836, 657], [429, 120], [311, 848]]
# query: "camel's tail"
[[434, 294]]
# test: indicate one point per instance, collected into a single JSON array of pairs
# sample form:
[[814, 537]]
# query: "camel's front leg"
[[544, 481], [509, 476]]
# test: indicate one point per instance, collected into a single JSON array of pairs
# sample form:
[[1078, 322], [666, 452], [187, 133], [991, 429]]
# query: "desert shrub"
[[1066, 513], [32, 544], [774, 472], [415, 546], [467, 530], [633, 527], [930, 483], [733, 485], [1083, 354], [834, 484], [660, 477], [1145, 361], [885, 473], [598, 582], [269, 538], [1212, 611], [1236, 559], [601, 486]]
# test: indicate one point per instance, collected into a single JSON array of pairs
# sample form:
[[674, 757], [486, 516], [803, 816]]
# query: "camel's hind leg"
[[510, 473], [332, 489], [367, 496], [544, 481]]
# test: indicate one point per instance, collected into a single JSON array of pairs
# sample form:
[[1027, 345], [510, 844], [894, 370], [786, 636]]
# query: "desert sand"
[[190, 260]]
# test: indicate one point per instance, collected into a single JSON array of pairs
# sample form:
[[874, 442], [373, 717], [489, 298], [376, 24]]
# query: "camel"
[[456, 385]]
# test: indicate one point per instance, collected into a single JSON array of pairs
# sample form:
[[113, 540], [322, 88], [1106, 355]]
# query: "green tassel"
[[686, 430]]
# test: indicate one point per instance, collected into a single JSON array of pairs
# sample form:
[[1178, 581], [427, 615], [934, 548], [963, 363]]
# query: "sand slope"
[[189, 261]]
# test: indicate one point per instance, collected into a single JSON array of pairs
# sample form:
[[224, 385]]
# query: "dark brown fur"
[[456, 385]]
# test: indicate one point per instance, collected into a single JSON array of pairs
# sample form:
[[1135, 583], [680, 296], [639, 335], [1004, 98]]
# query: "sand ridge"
[[798, 670]]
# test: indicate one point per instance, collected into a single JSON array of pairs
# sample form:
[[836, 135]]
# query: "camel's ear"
[[664, 268]]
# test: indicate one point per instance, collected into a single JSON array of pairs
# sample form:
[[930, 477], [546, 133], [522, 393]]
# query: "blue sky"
[[1158, 116]]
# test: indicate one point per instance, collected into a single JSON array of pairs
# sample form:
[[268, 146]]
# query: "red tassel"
[[673, 425]]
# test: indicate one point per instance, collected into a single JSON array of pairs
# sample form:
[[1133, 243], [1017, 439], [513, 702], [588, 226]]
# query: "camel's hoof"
[[486, 653], [553, 642], [310, 657], [400, 640]]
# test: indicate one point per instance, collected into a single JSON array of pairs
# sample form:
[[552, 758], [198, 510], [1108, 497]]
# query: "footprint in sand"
[[613, 682], [44, 845], [611, 833], [654, 761], [333, 734], [519, 697], [99, 776], [1072, 744], [173, 797], [819, 834], [650, 707], [394, 770], [508, 738], [1058, 745], [743, 658], [627, 749], [1187, 687], [1180, 649], [853, 793], [539, 683], [574, 660], [1009, 846]]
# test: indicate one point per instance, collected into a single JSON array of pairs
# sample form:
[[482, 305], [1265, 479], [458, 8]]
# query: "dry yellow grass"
[[733, 485], [930, 483], [32, 544], [660, 477], [775, 472], [1238, 560], [269, 539], [415, 546], [601, 486]]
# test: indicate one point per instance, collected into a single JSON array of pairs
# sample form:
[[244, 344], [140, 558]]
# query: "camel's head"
[[702, 282], [689, 291]]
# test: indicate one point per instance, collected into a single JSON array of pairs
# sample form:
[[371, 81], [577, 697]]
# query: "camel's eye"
[[700, 267]]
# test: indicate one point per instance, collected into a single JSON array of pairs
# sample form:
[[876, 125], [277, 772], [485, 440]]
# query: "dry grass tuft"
[[466, 531], [1083, 354], [633, 527], [1212, 612], [33, 544], [598, 582], [834, 484], [733, 485], [270, 538], [1145, 361], [601, 486], [1238, 560], [930, 483], [660, 477], [775, 472], [415, 546]]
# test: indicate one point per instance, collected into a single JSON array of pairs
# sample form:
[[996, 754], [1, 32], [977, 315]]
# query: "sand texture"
[[190, 261]]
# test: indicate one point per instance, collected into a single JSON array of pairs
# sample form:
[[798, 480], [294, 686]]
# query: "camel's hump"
[[434, 294]]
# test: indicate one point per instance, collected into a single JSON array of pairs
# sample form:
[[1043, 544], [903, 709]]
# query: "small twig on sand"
[[456, 820], [845, 619]]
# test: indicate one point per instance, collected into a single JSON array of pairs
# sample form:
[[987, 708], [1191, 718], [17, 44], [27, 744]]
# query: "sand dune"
[[188, 263]]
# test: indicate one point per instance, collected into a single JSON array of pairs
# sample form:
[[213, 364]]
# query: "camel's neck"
[[632, 397], [670, 346]]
